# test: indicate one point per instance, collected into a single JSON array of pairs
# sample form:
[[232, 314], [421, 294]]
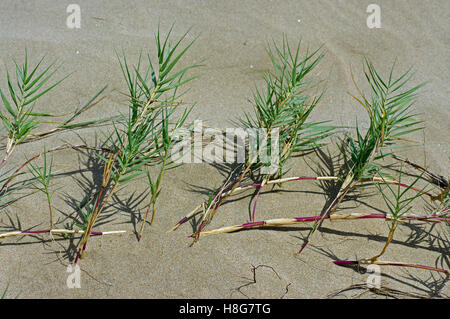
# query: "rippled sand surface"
[[232, 37]]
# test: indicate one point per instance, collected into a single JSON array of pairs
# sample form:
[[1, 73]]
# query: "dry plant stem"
[[10, 147], [257, 196], [388, 241], [442, 212], [35, 136], [439, 180], [216, 201], [97, 210], [385, 291], [152, 201], [58, 148], [59, 232], [289, 179], [106, 178], [221, 198], [210, 211], [388, 263], [247, 187], [292, 221]]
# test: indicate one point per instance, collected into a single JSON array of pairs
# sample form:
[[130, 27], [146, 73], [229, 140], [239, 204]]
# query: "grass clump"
[[42, 177], [399, 203], [19, 117], [286, 108], [20, 120], [144, 137], [140, 141], [389, 111], [390, 116], [281, 111]]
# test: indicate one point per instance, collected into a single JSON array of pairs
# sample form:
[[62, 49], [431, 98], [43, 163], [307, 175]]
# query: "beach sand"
[[232, 37]]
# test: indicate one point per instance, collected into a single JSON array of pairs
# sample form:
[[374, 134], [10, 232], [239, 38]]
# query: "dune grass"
[[19, 117], [399, 202], [143, 138], [282, 108], [20, 121], [389, 109], [139, 140], [42, 177], [138, 143]]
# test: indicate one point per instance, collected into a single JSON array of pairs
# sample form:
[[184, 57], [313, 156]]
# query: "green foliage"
[[4, 200], [284, 104], [19, 119], [3, 296], [42, 177], [144, 137], [389, 110], [390, 119], [397, 200], [84, 215]]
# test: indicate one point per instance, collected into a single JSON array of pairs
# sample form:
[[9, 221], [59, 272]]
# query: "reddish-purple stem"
[[17, 171], [184, 219], [216, 206], [303, 247], [253, 224], [3, 161], [89, 232], [145, 218], [256, 201], [314, 218]]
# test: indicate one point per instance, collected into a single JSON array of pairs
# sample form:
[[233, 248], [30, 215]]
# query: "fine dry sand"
[[232, 38]]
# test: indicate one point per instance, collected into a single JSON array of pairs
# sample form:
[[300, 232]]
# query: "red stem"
[[184, 219], [89, 232], [350, 217], [256, 201], [17, 170], [3, 161]]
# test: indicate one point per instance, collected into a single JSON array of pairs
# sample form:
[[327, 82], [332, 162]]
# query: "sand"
[[232, 36]]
